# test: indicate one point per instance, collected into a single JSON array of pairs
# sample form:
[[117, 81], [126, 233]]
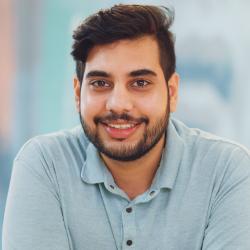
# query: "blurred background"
[[36, 69]]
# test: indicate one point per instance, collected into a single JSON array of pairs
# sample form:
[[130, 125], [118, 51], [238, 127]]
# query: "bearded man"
[[131, 176]]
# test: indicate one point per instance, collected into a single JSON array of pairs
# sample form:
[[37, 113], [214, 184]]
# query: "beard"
[[148, 140]]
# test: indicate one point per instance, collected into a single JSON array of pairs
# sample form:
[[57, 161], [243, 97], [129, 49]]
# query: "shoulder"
[[201, 142], [221, 166], [52, 147], [215, 157]]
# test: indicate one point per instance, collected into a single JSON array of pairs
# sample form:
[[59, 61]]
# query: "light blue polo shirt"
[[62, 197]]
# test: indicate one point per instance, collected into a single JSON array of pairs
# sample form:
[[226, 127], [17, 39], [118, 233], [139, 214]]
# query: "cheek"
[[153, 106], [91, 105]]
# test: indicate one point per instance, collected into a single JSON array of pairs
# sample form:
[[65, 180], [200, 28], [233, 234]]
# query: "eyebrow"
[[142, 72], [135, 73], [95, 73]]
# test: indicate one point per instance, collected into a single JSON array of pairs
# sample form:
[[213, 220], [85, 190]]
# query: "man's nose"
[[119, 100]]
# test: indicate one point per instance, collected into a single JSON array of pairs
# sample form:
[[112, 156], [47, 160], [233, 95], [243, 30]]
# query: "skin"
[[143, 95]]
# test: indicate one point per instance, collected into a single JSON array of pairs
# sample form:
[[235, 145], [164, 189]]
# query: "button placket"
[[129, 227]]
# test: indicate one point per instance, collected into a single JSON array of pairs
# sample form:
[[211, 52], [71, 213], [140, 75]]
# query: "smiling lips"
[[120, 130]]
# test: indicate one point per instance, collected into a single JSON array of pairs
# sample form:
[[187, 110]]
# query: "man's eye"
[[99, 84], [140, 83]]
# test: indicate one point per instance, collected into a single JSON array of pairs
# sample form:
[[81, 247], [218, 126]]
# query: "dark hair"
[[125, 22]]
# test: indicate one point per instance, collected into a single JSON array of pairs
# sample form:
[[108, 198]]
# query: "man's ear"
[[77, 92], [173, 86]]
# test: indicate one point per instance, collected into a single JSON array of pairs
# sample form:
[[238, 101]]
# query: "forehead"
[[124, 56]]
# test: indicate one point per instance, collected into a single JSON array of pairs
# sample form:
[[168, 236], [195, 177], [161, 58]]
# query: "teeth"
[[121, 126]]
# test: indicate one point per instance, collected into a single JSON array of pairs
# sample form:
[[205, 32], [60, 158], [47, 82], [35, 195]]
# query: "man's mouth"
[[120, 130], [121, 126]]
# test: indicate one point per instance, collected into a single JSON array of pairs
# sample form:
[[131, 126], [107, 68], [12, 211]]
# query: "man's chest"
[[100, 220]]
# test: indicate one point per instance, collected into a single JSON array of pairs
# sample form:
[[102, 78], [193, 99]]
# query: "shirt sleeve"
[[33, 218], [229, 222]]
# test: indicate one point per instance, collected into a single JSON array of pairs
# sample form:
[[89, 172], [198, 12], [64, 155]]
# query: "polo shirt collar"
[[94, 170]]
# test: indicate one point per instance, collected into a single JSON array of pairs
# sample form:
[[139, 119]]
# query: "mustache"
[[115, 117]]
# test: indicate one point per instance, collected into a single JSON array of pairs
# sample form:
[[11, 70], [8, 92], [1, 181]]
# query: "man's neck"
[[135, 177]]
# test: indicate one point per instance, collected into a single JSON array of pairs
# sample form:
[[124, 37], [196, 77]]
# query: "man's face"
[[123, 102]]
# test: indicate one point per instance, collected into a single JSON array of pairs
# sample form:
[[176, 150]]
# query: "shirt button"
[[152, 193], [129, 209], [112, 186], [129, 242]]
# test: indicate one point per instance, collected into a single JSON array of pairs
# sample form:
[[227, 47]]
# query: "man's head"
[[126, 84], [126, 22]]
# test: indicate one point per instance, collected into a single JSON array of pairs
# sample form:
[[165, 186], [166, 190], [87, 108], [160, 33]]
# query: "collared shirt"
[[63, 197]]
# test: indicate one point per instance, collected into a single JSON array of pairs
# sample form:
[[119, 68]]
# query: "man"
[[131, 177]]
